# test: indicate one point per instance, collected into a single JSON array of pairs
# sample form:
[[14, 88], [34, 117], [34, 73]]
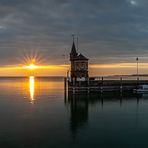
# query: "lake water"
[[34, 113]]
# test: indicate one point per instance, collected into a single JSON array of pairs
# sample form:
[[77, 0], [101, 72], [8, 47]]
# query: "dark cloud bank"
[[108, 30]]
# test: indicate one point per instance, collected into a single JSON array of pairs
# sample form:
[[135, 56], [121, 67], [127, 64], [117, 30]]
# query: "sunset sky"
[[112, 33]]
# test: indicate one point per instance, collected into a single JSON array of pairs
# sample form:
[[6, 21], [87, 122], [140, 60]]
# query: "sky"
[[112, 33]]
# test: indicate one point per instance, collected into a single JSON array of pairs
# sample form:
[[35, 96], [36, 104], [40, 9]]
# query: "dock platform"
[[103, 85]]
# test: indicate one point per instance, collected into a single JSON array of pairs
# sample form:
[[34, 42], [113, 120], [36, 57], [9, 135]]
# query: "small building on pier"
[[79, 65]]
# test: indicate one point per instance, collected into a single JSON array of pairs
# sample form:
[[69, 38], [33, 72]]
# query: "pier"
[[80, 81], [103, 85]]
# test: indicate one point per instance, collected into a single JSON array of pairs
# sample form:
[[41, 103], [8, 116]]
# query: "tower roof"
[[81, 57], [73, 53], [73, 50]]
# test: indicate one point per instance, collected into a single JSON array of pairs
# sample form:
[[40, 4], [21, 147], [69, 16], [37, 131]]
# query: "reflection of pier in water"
[[79, 105]]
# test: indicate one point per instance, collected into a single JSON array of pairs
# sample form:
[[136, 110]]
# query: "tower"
[[79, 65]]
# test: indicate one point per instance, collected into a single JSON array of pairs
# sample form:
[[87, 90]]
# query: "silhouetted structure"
[[79, 65], [79, 79]]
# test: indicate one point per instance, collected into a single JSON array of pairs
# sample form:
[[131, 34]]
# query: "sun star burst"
[[31, 66]]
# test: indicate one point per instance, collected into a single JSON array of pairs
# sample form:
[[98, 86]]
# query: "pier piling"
[[121, 87]]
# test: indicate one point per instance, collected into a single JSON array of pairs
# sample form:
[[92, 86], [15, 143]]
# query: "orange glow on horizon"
[[118, 65], [60, 70]]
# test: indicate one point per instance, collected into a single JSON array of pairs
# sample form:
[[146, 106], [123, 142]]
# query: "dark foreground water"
[[35, 114]]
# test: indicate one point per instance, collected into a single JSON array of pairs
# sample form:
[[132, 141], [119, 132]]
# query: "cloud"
[[133, 2], [106, 29]]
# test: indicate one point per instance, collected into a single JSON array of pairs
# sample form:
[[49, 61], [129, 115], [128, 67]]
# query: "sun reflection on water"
[[31, 87]]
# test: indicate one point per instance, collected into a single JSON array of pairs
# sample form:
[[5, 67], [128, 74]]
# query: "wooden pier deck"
[[104, 85]]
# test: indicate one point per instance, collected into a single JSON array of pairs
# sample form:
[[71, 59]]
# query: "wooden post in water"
[[102, 85], [65, 83], [88, 85], [137, 79], [73, 85], [102, 101], [88, 82], [121, 87], [79, 83], [137, 82], [65, 88]]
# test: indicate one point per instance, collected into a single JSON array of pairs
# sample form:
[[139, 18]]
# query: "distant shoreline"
[[60, 77], [35, 76]]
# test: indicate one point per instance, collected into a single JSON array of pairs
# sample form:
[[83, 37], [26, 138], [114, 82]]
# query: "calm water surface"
[[35, 114]]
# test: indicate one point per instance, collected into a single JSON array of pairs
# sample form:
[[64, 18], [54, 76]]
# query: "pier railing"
[[107, 84]]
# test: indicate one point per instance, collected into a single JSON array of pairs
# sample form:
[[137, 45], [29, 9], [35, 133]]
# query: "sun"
[[31, 66]]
